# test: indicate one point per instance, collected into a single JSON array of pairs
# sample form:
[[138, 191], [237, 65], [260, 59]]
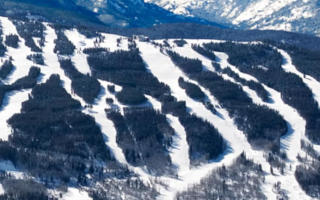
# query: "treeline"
[[85, 86], [263, 126], [145, 137], [29, 30], [293, 91]]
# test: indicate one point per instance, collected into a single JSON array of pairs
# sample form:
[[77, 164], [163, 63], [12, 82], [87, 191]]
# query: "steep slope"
[[289, 15]]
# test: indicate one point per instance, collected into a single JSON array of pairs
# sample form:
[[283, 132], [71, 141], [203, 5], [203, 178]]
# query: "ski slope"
[[161, 66]]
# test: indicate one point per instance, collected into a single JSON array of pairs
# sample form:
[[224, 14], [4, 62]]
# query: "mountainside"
[[290, 15], [93, 115], [112, 13]]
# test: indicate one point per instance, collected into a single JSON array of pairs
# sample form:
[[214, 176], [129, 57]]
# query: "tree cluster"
[[205, 142], [85, 86], [180, 43], [192, 90], [12, 40], [6, 69], [130, 96], [29, 30], [145, 136], [187, 65], [127, 69], [204, 51], [36, 58], [63, 45]]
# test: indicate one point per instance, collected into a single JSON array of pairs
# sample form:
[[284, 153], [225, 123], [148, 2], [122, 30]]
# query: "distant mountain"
[[115, 13], [290, 15], [125, 13]]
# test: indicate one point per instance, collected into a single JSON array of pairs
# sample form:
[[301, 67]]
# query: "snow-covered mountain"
[[111, 13], [290, 15], [93, 115]]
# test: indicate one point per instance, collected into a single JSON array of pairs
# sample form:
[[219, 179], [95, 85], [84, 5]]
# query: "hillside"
[[95, 115]]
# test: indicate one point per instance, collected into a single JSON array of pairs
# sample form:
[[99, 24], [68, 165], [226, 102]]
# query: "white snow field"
[[161, 66]]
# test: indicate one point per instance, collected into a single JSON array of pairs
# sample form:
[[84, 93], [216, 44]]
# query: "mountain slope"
[[290, 15], [114, 13], [108, 116]]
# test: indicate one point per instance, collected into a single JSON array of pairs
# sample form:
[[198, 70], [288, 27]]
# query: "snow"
[[12, 104], [75, 193], [19, 55], [1, 190], [53, 65], [312, 83], [288, 15], [235, 139], [79, 58], [106, 125], [162, 67], [180, 151], [290, 143], [8, 166]]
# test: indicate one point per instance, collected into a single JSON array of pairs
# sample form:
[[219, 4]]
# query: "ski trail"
[[311, 83], [12, 101], [110, 42], [236, 139], [19, 55], [180, 150], [106, 125], [79, 58], [290, 143], [12, 104], [53, 65], [97, 111]]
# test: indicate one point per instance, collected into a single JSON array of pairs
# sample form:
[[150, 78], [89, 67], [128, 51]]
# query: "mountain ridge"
[[288, 15]]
